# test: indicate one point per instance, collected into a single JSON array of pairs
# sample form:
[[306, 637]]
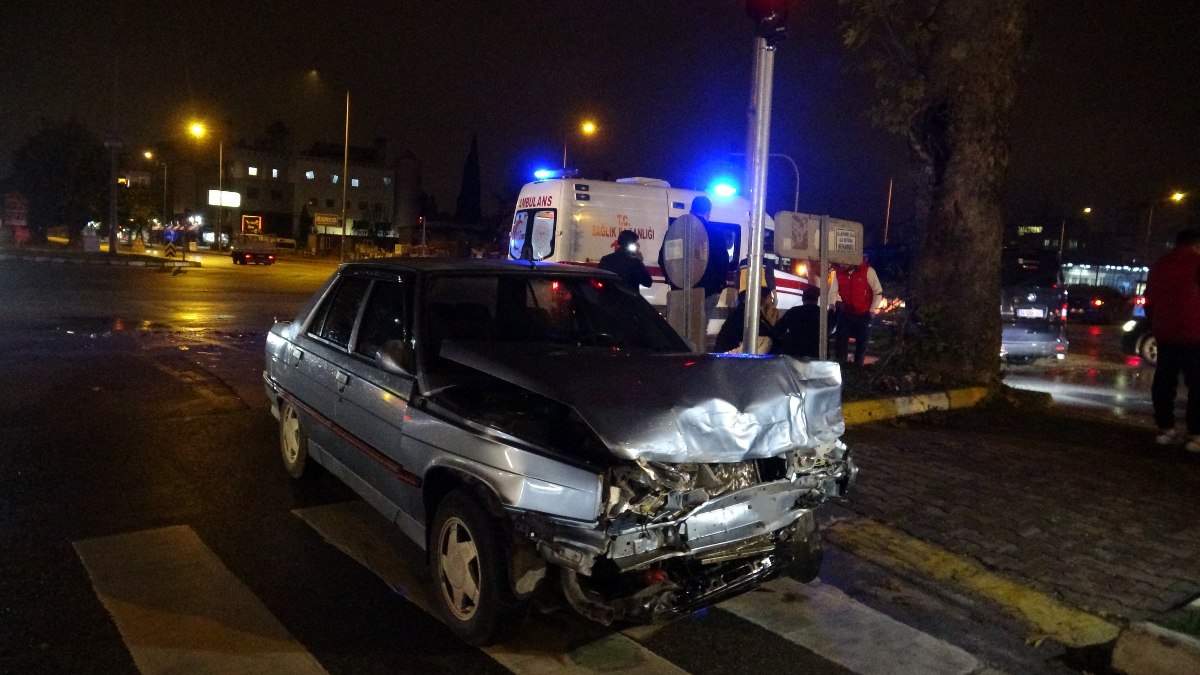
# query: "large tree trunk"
[[959, 139]]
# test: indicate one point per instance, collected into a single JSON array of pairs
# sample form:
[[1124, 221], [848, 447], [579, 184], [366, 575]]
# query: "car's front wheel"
[[1148, 349], [470, 569], [293, 442]]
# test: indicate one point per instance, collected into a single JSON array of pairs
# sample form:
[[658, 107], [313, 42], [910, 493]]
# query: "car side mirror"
[[396, 356]]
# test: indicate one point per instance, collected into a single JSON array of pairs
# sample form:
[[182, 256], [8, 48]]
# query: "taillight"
[[1097, 302], [248, 256], [1062, 312], [1140, 300]]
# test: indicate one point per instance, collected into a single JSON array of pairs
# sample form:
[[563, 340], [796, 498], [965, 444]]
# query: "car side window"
[[385, 318], [335, 318]]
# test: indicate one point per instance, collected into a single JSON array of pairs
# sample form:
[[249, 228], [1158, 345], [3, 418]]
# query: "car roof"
[[443, 265]]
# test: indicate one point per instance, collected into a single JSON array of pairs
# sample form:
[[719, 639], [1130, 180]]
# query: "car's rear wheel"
[[293, 442], [469, 564], [1148, 349]]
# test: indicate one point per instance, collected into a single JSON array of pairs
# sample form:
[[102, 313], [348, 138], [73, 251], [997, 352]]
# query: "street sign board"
[[797, 236]]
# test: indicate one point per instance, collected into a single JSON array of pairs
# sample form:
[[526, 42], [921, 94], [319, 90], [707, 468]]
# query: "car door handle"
[[342, 380], [297, 355]]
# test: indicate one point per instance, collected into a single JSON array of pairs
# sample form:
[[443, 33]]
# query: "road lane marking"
[[180, 610], [826, 621], [892, 548], [542, 647]]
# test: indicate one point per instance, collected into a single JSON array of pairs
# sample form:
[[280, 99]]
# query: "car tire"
[[1148, 349], [469, 565], [293, 442]]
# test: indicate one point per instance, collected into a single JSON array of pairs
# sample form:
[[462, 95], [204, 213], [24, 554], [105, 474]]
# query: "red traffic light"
[[771, 16]]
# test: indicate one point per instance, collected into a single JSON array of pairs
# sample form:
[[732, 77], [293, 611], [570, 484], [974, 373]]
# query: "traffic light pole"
[[757, 153]]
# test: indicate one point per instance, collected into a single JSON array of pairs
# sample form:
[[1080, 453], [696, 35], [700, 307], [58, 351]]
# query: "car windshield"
[[543, 309]]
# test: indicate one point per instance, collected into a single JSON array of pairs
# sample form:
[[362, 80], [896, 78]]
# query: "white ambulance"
[[576, 220]]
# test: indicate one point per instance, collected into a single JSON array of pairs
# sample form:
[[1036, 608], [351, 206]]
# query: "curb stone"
[[875, 410], [1144, 648]]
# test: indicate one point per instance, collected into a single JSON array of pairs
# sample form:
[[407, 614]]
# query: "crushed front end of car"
[[715, 467]]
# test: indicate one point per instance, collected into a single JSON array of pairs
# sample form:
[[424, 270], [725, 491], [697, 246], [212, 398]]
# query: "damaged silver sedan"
[[539, 425]]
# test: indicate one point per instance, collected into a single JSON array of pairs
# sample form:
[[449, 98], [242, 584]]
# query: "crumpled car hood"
[[677, 407]]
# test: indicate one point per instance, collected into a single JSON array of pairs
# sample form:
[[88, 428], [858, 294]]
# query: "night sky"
[[1108, 115]]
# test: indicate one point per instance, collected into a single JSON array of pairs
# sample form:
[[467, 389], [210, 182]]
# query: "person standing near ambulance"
[[856, 293], [626, 261], [717, 268]]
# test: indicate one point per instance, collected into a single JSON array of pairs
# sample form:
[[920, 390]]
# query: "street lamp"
[[587, 128], [149, 155], [795, 172], [199, 130], [1062, 231], [1175, 197]]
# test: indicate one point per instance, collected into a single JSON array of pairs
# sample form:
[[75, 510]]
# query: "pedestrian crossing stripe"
[[179, 609]]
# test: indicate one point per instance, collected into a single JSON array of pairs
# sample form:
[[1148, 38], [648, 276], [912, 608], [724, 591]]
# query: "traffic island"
[[88, 258]]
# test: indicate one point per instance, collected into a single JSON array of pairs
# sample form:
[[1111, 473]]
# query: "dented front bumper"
[[704, 551]]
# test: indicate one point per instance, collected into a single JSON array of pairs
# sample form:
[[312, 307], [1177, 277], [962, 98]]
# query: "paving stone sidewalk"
[[1090, 512]]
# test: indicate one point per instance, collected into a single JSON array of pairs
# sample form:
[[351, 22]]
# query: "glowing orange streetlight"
[[587, 128]]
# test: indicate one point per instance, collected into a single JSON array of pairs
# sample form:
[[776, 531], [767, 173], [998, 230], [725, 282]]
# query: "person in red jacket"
[[1173, 306]]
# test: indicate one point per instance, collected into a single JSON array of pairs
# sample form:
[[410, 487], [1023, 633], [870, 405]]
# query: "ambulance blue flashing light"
[[723, 189], [545, 174]]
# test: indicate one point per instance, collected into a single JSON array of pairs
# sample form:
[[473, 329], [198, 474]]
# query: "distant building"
[[299, 195]]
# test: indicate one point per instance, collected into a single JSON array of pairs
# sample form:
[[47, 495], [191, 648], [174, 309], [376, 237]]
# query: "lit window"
[[252, 170], [333, 177], [274, 173], [310, 174], [353, 182]]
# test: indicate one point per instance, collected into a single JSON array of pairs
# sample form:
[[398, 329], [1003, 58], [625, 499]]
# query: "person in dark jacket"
[[798, 331], [626, 261], [1173, 306]]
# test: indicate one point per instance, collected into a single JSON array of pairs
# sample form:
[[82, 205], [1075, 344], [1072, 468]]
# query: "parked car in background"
[[1033, 323], [1136, 338], [535, 423], [1096, 304]]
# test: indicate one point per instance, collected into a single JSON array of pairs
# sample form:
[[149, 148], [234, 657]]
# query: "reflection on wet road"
[[1095, 378]]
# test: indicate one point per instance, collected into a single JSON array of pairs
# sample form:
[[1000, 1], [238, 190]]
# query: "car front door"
[[376, 389], [320, 359]]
